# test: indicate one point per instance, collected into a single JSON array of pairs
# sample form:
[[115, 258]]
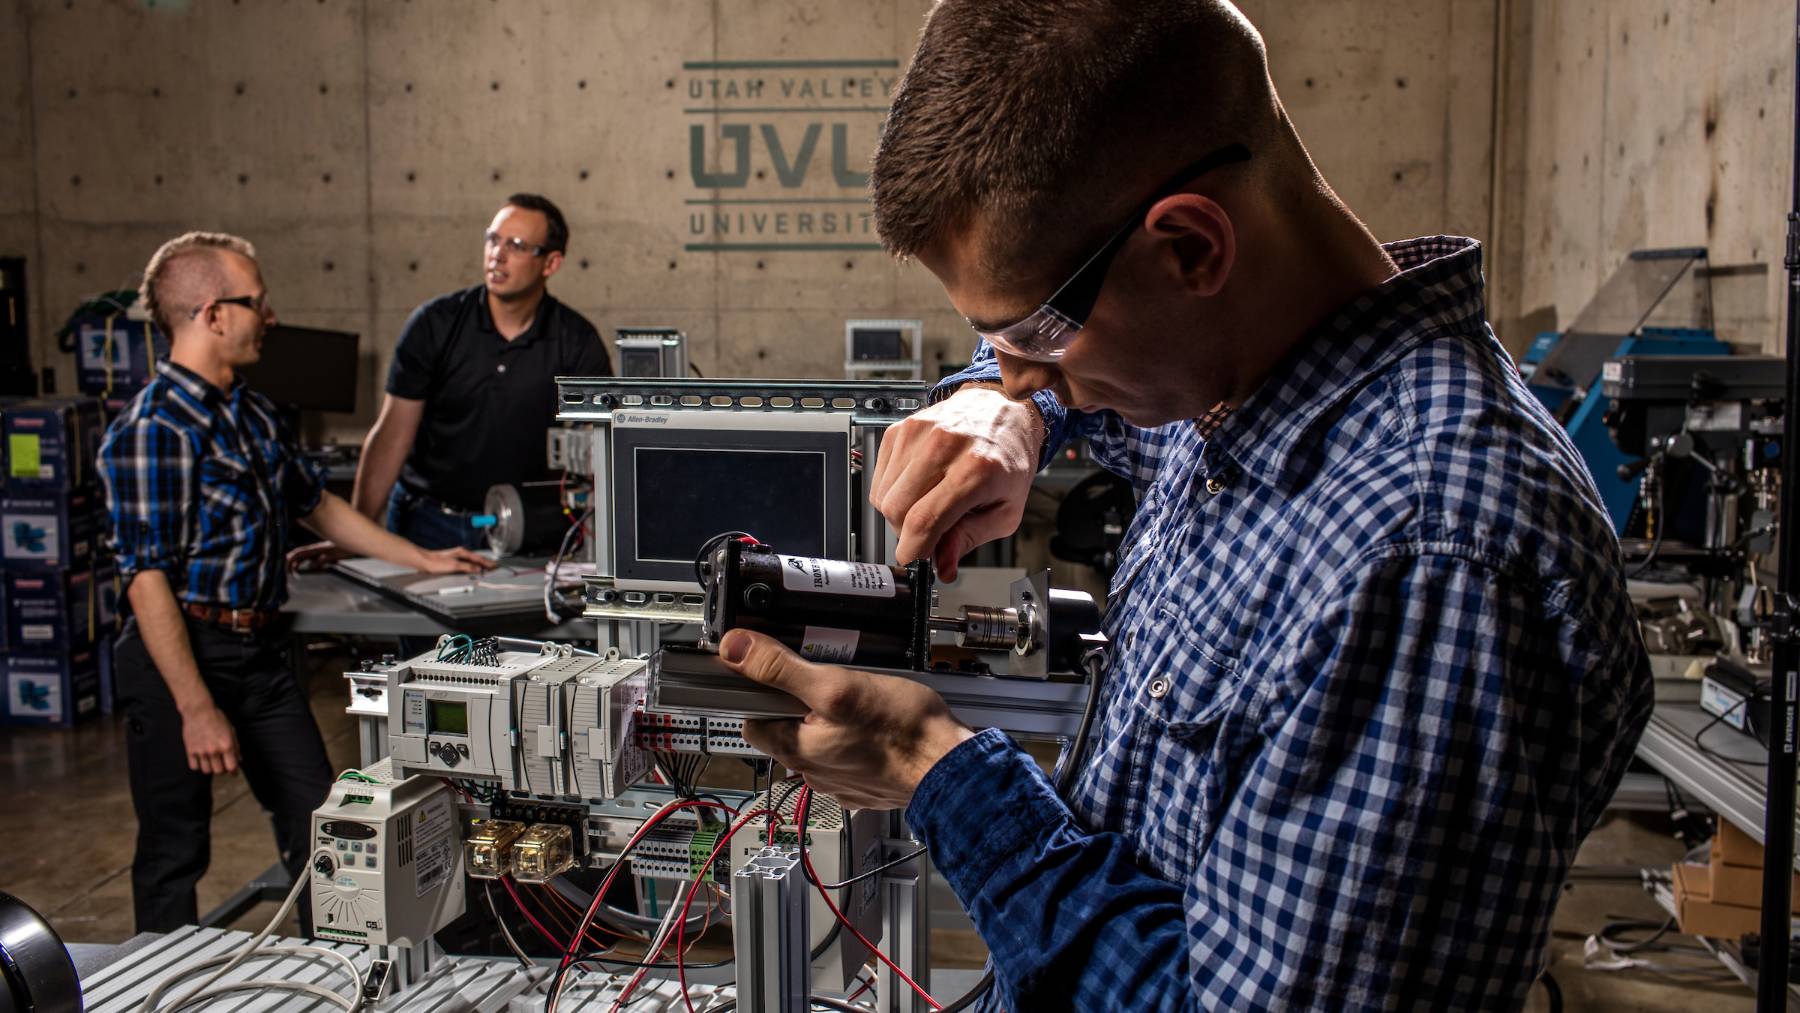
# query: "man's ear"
[[553, 262], [1199, 236]]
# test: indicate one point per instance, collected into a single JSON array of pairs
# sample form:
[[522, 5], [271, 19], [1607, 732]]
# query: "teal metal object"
[[1658, 302]]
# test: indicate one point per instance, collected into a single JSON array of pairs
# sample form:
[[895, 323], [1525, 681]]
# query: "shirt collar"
[[530, 333], [193, 384], [1437, 290]]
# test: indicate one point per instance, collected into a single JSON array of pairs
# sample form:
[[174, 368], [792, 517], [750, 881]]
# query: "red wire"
[[865, 987], [506, 881], [801, 808], [606, 884], [681, 919]]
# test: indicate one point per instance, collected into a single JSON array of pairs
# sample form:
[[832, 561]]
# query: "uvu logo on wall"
[[778, 152]]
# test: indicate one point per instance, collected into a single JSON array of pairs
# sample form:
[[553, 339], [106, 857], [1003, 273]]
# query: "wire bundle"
[[462, 649]]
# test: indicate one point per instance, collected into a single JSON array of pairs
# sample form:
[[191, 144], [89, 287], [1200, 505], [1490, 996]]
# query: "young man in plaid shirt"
[[1374, 674], [202, 479]]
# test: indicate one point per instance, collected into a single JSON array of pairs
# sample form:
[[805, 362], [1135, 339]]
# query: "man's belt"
[[240, 620]]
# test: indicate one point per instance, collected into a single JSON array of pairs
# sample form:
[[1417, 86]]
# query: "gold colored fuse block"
[[544, 851], [489, 848]]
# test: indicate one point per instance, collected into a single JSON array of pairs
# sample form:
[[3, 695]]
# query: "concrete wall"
[[1648, 124], [363, 145]]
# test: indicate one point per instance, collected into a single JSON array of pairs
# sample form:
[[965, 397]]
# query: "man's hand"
[[456, 560], [956, 474], [212, 746], [317, 556], [869, 739]]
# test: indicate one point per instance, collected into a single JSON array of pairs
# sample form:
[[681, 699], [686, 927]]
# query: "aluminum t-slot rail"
[[697, 682], [870, 402]]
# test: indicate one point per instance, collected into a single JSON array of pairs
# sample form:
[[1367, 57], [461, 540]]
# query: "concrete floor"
[[68, 854]]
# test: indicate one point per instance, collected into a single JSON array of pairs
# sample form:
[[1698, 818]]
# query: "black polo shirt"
[[488, 401]]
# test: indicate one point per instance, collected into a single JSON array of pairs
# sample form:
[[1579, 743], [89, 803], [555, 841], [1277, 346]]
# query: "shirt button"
[[1216, 484], [500, 368], [1159, 688]]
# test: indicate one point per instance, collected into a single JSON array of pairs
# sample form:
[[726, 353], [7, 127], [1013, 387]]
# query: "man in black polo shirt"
[[471, 392]]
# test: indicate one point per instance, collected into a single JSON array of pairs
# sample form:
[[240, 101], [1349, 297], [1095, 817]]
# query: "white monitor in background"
[[650, 352], [891, 349]]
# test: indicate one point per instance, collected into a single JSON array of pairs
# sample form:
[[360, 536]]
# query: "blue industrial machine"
[[1658, 302]]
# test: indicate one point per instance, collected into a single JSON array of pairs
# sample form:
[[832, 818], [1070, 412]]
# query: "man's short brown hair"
[[185, 272], [1034, 113]]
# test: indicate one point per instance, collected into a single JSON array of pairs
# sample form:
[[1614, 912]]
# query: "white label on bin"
[[824, 644], [803, 573]]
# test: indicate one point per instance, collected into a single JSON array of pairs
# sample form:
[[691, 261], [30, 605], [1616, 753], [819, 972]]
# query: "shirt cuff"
[[985, 803]]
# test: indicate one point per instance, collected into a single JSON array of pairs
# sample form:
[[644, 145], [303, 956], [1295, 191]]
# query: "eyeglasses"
[[513, 246], [257, 304], [1045, 333]]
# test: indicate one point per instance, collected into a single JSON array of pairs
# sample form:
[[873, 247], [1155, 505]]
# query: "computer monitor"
[[651, 352], [883, 347], [306, 368], [680, 478]]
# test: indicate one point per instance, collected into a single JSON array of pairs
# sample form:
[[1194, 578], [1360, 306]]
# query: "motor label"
[[824, 644], [803, 573]]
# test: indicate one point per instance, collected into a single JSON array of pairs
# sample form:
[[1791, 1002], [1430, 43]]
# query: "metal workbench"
[[327, 603], [1727, 775]]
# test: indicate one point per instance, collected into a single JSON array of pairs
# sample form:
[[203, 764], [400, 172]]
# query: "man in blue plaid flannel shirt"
[[1374, 673]]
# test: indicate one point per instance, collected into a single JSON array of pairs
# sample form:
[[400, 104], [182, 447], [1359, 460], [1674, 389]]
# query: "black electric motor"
[[826, 609]]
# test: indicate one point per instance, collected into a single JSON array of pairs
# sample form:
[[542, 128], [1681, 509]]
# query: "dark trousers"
[[429, 524], [281, 753]]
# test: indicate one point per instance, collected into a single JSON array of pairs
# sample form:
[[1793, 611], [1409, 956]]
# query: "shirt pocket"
[[1183, 775]]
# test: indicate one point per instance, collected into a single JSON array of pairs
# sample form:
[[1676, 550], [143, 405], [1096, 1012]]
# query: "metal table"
[[327, 603], [1728, 775]]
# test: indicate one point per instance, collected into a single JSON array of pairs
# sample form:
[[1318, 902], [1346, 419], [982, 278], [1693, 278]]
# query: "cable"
[[776, 805], [506, 881], [556, 562], [706, 548], [587, 919], [713, 856], [487, 889], [878, 870], [805, 806], [1717, 718], [211, 987]]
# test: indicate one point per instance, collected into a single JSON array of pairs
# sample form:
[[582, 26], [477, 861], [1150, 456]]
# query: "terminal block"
[[543, 852], [489, 848]]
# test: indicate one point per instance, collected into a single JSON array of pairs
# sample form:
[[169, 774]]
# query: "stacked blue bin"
[[58, 587]]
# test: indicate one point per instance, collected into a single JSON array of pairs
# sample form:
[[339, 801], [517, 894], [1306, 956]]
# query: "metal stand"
[[771, 931], [1784, 694]]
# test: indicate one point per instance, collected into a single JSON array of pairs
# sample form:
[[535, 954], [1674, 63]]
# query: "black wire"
[[598, 957], [789, 787], [878, 870], [487, 888], [706, 548], [1718, 718], [1659, 929]]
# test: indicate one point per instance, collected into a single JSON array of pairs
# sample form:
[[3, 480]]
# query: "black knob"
[[323, 865]]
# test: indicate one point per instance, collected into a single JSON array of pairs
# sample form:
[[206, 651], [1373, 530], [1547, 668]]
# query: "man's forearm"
[[383, 454], [164, 632], [356, 534]]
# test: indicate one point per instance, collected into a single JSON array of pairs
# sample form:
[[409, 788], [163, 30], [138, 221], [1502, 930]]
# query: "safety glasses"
[[1046, 333]]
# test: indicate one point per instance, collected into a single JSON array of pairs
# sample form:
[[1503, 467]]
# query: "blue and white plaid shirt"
[[1374, 676], [201, 483]]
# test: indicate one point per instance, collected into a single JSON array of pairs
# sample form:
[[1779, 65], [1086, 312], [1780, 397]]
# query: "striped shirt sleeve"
[[148, 467]]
